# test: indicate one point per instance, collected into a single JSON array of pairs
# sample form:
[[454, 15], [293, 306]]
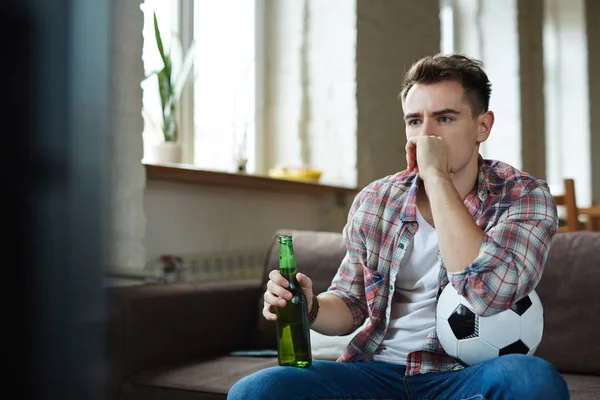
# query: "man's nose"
[[428, 129]]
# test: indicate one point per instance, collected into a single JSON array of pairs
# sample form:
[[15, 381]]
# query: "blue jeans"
[[512, 376]]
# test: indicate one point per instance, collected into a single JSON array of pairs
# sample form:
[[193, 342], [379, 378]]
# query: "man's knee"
[[530, 377], [266, 384]]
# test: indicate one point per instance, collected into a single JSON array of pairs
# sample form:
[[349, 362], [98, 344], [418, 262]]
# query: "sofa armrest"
[[156, 324]]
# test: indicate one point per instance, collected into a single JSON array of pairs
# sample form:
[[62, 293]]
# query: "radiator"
[[246, 264]]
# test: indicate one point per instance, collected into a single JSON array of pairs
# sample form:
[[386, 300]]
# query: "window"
[[224, 88], [487, 30], [302, 113], [218, 110], [566, 102], [152, 62], [447, 26]]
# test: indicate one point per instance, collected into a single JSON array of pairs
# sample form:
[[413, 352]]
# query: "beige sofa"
[[174, 341]]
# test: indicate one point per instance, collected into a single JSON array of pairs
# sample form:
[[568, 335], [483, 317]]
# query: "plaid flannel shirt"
[[518, 216]]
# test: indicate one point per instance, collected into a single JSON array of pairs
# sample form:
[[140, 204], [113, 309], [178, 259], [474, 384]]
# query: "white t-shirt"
[[412, 315]]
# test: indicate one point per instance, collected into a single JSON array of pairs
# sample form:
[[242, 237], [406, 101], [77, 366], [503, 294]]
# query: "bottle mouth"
[[285, 238]]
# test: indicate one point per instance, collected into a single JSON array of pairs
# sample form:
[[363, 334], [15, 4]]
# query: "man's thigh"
[[513, 376], [324, 380]]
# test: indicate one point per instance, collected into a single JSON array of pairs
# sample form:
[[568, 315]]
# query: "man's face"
[[440, 109]]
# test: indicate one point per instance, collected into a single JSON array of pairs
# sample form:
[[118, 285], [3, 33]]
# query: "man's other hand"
[[428, 156]]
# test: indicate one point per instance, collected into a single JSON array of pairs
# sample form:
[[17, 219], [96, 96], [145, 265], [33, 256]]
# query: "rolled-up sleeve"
[[348, 282], [512, 255]]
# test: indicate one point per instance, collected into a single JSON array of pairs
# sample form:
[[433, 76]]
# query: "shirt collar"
[[483, 178]]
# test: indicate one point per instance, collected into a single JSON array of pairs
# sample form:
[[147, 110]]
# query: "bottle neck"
[[287, 262]]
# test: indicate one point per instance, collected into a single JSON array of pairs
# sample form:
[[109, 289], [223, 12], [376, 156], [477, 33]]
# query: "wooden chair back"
[[568, 200]]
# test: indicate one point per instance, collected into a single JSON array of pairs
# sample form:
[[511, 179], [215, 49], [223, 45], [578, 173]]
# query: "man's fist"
[[276, 294], [428, 156]]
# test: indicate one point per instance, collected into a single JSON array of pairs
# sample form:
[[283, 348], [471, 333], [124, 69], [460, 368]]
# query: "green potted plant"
[[170, 85]]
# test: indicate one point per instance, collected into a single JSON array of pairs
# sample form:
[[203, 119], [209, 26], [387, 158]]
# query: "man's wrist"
[[313, 309], [435, 176]]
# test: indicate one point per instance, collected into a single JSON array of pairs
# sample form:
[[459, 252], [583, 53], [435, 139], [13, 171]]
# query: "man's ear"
[[484, 128]]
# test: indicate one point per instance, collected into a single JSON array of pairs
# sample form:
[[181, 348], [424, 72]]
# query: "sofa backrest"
[[570, 293], [569, 290]]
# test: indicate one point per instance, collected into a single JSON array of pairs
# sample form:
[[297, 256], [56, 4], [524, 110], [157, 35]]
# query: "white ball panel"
[[536, 301], [446, 337], [532, 326], [475, 350], [467, 303], [532, 350], [501, 329], [447, 303]]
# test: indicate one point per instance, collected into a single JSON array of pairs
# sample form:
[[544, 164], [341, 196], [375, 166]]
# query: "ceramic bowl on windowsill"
[[296, 174]]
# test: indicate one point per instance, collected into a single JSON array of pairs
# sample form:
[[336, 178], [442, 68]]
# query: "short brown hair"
[[467, 71]]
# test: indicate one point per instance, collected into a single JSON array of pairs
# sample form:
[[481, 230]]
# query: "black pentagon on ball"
[[522, 305], [516, 347], [462, 322]]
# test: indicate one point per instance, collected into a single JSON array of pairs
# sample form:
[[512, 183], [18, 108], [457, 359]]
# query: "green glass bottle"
[[293, 330]]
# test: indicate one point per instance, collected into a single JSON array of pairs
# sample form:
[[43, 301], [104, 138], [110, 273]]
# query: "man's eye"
[[413, 122], [445, 119]]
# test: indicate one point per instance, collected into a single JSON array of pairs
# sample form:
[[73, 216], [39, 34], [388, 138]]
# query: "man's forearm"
[[459, 238], [334, 317]]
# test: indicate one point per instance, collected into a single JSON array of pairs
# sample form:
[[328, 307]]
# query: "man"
[[450, 218]]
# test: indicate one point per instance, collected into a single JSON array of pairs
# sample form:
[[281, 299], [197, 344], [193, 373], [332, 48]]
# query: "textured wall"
[[530, 19], [391, 35], [592, 11], [192, 219], [128, 223]]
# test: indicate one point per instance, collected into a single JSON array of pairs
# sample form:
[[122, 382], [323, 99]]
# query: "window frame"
[[183, 16]]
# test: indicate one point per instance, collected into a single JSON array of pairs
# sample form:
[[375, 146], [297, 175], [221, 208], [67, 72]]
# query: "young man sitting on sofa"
[[450, 218]]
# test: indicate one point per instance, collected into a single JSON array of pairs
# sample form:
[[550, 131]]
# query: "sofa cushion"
[[570, 293], [325, 347], [583, 387], [318, 255], [210, 379]]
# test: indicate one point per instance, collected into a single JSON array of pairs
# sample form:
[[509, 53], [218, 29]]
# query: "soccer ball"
[[471, 339]]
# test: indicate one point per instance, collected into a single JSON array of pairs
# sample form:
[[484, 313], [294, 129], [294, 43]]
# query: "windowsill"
[[186, 173]]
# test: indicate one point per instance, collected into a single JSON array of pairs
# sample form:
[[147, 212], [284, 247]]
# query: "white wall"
[[487, 30], [310, 97], [391, 35], [192, 219], [128, 223]]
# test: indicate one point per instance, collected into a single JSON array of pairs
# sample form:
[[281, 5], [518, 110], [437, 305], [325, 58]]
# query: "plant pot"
[[164, 152]]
